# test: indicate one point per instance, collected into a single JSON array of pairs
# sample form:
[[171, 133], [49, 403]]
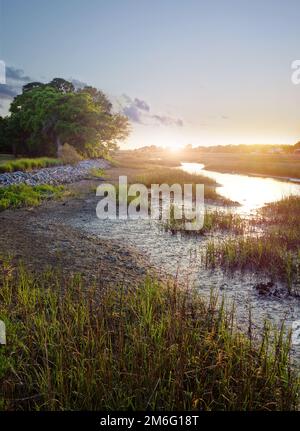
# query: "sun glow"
[[175, 148]]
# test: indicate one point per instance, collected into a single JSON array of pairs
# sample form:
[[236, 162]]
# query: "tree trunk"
[[14, 149], [58, 147]]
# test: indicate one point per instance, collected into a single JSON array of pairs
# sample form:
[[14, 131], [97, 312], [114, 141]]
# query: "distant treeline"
[[242, 148], [255, 148]]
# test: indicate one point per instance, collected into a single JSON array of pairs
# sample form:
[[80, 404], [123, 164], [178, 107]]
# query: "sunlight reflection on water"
[[251, 192]]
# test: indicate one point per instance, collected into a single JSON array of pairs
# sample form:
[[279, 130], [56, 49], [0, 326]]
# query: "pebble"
[[54, 175]]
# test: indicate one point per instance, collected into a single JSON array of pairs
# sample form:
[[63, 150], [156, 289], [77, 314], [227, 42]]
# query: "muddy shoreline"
[[43, 237]]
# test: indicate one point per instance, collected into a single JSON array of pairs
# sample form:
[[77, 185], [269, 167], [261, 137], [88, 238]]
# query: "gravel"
[[54, 175]]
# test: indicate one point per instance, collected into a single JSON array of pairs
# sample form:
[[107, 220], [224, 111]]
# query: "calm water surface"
[[251, 192]]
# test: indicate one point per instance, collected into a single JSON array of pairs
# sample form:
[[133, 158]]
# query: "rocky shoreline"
[[54, 175]]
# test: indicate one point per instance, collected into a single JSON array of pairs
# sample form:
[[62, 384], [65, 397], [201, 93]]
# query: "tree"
[[49, 115], [62, 85], [4, 145], [11, 136], [99, 98], [31, 85]]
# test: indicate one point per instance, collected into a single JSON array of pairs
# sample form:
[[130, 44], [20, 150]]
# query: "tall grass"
[[23, 195], [214, 220], [171, 176], [97, 173], [259, 254], [28, 164], [72, 346], [275, 251], [273, 165], [131, 159]]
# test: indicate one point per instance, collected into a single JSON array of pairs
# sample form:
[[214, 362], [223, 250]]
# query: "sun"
[[175, 148]]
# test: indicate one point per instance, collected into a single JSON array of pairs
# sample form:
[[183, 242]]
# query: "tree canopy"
[[45, 116]]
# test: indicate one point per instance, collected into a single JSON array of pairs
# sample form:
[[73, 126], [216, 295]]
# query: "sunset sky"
[[184, 72]]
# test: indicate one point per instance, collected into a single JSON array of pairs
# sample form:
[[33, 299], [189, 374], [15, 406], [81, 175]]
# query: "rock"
[[264, 288], [296, 332], [53, 175], [271, 289]]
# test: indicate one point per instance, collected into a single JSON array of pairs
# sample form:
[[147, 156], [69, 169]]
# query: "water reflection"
[[251, 192]]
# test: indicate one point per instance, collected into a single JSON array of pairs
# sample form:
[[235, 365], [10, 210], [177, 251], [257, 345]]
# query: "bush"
[[69, 155], [21, 195]]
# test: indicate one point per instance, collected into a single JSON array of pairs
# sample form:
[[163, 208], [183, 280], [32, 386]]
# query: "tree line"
[[46, 116]]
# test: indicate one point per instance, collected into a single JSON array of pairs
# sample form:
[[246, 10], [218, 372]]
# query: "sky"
[[184, 71]]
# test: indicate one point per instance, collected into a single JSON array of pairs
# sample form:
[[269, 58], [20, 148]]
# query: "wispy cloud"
[[16, 75], [168, 121], [139, 111], [78, 84], [15, 79], [133, 113], [141, 104], [8, 92]]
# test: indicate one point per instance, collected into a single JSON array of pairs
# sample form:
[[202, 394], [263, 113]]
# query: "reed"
[[274, 251], [214, 220], [177, 176], [73, 346]]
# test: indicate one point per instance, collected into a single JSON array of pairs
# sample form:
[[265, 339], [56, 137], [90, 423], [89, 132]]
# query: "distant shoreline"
[[251, 174]]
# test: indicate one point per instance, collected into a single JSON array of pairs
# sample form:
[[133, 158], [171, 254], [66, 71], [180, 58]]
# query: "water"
[[182, 256], [251, 192]]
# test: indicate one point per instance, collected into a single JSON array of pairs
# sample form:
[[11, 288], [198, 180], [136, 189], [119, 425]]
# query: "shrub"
[[21, 195], [69, 155]]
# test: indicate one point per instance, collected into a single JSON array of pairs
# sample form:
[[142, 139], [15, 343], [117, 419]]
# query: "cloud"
[[133, 113], [16, 75], [168, 121], [15, 79], [138, 111], [78, 84], [133, 109], [141, 104], [8, 91]]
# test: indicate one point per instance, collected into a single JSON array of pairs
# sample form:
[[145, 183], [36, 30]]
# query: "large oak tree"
[[45, 116]]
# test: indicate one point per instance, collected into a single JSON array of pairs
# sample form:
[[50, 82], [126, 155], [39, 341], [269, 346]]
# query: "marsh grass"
[[173, 176], [23, 195], [165, 175], [143, 161], [214, 220], [259, 253], [73, 347], [28, 164], [275, 251], [97, 173], [262, 164]]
